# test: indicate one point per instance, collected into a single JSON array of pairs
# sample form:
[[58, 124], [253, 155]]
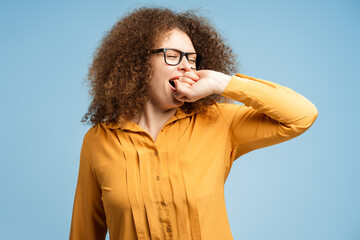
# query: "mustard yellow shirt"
[[173, 188]]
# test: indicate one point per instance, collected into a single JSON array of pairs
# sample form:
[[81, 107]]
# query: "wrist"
[[221, 82]]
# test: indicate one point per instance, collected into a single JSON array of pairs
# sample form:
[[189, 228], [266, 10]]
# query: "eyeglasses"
[[173, 57]]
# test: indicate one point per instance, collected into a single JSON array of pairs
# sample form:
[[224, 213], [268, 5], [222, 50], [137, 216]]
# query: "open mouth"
[[172, 83]]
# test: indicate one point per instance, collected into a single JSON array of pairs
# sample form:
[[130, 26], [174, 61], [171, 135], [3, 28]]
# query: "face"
[[162, 92]]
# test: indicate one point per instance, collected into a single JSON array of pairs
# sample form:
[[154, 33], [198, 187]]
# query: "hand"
[[194, 86]]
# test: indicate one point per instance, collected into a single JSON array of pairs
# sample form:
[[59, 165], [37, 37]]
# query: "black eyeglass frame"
[[182, 54]]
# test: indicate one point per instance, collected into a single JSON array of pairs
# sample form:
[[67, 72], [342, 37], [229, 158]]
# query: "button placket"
[[157, 168], [160, 195]]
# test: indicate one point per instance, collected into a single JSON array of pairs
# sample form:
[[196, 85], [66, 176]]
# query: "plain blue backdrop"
[[307, 188]]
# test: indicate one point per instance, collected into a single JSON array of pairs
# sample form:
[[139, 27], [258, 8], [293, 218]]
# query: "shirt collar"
[[131, 126]]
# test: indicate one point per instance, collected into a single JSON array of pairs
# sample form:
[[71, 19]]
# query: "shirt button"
[[163, 203], [157, 177], [168, 229], [156, 153]]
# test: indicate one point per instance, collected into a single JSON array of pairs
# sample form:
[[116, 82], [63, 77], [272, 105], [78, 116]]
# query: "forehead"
[[176, 39]]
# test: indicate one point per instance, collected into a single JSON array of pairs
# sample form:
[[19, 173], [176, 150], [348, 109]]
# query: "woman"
[[154, 164]]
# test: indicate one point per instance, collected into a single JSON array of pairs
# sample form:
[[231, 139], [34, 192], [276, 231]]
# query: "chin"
[[174, 104]]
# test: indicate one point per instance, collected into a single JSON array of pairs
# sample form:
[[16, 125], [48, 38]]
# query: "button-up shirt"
[[173, 187]]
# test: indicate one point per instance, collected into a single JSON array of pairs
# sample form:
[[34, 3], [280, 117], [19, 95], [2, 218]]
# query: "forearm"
[[278, 102]]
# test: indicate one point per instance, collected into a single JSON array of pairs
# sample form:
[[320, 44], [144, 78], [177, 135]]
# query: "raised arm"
[[272, 113]]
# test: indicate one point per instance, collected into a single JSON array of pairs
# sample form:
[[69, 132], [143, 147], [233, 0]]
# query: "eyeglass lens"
[[173, 57]]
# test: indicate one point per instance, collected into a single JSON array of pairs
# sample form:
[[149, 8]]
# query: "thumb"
[[182, 92], [177, 94]]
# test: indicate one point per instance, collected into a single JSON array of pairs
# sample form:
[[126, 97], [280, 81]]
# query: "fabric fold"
[[134, 187]]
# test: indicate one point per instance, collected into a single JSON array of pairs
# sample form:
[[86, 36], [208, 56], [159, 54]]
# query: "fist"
[[196, 85]]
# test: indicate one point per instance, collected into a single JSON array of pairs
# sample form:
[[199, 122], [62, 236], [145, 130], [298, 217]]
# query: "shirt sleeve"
[[88, 217], [272, 113]]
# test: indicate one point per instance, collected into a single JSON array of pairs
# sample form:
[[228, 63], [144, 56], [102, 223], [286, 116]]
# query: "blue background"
[[307, 188]]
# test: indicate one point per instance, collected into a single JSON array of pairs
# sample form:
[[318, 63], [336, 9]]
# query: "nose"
[[184, 65]]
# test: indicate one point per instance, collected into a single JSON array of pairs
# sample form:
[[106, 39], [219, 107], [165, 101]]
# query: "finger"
[[186, 80], [182, 88], [177, 94], [180, 97], [183, 84], [194, 76]]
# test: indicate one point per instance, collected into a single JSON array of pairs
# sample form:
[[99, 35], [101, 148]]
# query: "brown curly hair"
[[120, 73]]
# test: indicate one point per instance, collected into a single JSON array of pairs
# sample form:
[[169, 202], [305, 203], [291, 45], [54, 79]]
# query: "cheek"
[[161, 72], [156, 79]]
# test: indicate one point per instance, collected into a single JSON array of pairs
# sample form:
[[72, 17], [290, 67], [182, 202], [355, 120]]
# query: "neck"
[[152, 119]]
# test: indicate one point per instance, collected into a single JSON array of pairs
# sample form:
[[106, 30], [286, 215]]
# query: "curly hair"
[[120, 73]]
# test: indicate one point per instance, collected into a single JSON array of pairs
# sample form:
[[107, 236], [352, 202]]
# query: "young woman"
[[165, 134]]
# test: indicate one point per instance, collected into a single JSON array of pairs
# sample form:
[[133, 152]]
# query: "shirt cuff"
[[236, 85], [239, 83]]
